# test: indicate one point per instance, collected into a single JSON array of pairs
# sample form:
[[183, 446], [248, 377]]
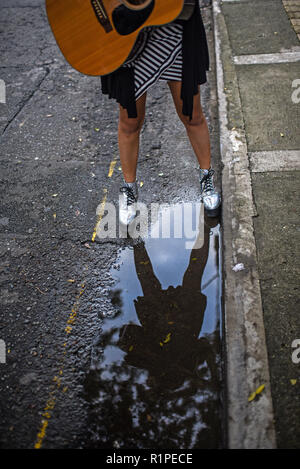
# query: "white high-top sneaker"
[[127, 202], [210, 197]]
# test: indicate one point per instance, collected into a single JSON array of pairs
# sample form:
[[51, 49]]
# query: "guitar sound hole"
[[136, 4], [127, 21]]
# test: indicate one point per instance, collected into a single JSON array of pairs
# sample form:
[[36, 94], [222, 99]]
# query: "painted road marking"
[[282, 160], [112, 167], [103, 202], [50, 404], [264, 59], [100, 214]]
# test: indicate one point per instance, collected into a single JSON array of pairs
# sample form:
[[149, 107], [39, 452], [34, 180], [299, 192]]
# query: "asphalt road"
[[59, 163]]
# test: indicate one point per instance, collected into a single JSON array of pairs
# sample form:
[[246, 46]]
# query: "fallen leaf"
[[168, 338], [260, 389], [54, 216], [255, 393], [141, 184], [130, 348], [251, 397], [71, 280], [293, 381]]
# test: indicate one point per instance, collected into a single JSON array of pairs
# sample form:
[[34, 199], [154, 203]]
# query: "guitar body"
[[97, 36]]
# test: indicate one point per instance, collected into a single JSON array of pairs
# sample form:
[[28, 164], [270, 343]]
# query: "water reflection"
[[157, 383]]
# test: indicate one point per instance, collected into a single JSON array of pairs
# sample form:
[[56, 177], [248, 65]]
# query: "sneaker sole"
[[213, 213]]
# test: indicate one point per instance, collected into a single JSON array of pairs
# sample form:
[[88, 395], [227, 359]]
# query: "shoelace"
[[128, 191], [208, 182]]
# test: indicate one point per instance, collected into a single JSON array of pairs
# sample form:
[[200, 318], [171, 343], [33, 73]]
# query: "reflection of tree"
[[164, 393]]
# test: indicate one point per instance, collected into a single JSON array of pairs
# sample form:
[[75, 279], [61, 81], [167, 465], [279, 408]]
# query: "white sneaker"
[[127, 202], [209, 195]]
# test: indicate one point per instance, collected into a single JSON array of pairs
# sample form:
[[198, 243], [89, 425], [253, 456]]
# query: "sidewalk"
[[258, 55]]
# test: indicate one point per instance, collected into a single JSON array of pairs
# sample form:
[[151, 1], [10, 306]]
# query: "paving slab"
[[258, 27], [277, 238], [271, 116]]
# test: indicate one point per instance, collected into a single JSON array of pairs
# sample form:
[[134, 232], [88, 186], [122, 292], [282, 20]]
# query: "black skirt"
[[192, 59]]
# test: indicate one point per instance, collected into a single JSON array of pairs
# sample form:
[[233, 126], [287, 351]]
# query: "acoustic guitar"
[[97, 36]]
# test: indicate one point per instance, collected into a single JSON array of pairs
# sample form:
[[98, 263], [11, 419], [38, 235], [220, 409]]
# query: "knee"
[[198, 120], [131, 126]]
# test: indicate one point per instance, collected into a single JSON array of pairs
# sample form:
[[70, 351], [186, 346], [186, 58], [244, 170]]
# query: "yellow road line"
[[103, 202], [48, 409], [100, 214], [112, 167]]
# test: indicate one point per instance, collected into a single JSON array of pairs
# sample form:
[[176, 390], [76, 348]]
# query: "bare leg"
[[196, 128], [129, 138]]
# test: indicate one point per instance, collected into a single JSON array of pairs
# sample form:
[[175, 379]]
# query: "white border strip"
[[256, 59], [267, 161]]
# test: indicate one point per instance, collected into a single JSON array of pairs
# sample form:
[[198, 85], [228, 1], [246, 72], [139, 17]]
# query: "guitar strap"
[[187, 10]]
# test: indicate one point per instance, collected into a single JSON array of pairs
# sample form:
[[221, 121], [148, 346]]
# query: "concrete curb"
[[250, 423]]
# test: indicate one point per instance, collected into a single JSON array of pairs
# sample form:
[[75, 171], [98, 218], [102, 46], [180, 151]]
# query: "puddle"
[[157, 383]]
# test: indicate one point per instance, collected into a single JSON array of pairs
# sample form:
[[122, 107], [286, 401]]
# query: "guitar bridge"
[[101, 15]]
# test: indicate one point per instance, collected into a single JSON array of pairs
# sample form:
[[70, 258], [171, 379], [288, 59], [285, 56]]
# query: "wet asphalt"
[[109, 342]]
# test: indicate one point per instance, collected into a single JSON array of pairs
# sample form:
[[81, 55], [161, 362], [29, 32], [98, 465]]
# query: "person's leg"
[[129, 138], [198, 133], [129, 141], [196, 127]]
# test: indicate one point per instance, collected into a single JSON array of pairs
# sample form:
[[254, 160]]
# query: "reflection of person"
[[176, 53], [167, 344]]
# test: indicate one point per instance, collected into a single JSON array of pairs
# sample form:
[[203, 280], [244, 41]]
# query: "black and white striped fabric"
[[159, 57]]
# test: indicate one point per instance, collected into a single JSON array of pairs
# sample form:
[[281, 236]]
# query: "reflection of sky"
[[169, 259]]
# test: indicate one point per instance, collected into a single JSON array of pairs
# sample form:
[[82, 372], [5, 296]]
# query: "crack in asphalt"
[[26, 100]]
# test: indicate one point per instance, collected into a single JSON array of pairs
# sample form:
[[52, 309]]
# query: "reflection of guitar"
[[97, 36]]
